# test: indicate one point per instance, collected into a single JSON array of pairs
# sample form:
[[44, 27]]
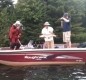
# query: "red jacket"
[[14, 34]]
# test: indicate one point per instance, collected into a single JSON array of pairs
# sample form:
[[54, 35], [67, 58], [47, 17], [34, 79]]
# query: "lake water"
[[63, 72]]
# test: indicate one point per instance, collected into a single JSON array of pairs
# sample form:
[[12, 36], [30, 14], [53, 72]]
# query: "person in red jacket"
[[14, 35]]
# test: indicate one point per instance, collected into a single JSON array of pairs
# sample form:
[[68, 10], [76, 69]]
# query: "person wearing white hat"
[[14, 35], [47, 34]]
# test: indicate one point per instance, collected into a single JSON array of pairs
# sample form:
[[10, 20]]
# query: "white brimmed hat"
[[17, 22], [46, 23]]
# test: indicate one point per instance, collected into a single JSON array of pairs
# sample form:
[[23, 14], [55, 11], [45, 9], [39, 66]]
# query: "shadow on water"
[[74, 72]]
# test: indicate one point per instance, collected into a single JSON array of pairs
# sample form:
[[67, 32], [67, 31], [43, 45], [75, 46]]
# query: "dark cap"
[[65, 15]]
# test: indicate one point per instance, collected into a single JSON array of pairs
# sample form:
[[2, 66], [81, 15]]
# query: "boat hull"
[[30, 57]]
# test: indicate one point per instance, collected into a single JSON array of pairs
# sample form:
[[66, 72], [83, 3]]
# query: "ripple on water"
[[76, 72]]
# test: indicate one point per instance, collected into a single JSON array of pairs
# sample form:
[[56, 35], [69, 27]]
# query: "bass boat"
[[30, 57]]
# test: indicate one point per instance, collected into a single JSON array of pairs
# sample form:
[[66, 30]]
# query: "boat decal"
[[67, 57], [36, 57], [50, 57]]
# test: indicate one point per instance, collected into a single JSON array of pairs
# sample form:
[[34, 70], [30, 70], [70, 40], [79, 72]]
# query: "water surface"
[[73, 72]]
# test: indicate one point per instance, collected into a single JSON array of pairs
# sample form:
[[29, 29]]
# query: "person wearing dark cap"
[[14, 36], [47, 34], [65, 24]]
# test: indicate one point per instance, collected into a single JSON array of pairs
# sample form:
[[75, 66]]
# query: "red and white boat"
[[28, 57]]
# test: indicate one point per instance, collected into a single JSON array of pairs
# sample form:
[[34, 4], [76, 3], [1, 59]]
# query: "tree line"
[[33, 14]]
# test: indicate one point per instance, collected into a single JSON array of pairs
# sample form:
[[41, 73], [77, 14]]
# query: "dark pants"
[[14, 46]]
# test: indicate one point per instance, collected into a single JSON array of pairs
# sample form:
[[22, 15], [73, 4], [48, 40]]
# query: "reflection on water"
[[75, 72]]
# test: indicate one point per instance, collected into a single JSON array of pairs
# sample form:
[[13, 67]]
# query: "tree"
[[32, 14], [6, 13]]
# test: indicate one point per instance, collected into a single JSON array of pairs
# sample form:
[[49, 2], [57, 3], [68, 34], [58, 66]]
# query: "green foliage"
[[33, 14], [80, 37], [6, 18]]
